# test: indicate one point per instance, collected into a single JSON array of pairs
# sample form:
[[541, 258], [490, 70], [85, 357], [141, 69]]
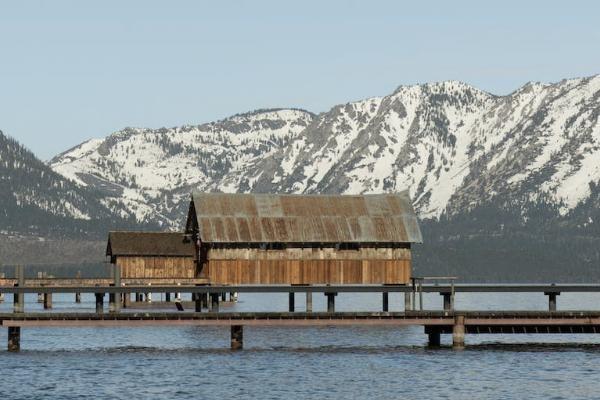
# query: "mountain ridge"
[[433, 139], [507, 187]]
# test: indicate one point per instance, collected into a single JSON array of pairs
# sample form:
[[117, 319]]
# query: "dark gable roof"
[[267, 218], [148, 244]]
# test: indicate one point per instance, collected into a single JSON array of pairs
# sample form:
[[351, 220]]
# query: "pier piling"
[[552, 300], [14, 338], [99, 303], [237, 337], [309, 304], [458, 332], [291, 301], [113, 304], [78, 294], [197, 302], [407, 302], [447, 301], [433, 339], [40, 296], [19, 298], [330, 301], [214, 302], [2, 276], [47, 301], [386, 301], [126, 300]]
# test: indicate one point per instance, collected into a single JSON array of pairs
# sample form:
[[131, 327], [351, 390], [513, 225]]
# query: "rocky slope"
[[151, 172], [455, 147], [35, 200]]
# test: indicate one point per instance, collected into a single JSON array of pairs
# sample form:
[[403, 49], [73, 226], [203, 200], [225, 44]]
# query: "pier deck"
[[435, 323], [207, 297]]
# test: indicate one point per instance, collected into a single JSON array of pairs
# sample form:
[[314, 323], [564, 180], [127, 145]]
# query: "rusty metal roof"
[[124, 243], [281, 218]]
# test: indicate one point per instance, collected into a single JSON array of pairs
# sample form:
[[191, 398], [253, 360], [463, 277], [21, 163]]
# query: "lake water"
[[352, 362]]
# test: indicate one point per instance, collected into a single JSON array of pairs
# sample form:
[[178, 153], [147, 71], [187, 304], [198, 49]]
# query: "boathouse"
[[303, 239], [152, 255]]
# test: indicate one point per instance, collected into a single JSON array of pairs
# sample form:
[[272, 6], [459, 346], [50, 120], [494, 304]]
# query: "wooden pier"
[[206, 300], [435, 323]]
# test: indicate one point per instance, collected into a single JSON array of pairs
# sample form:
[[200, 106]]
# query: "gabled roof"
[[124, 243], [281, 218]]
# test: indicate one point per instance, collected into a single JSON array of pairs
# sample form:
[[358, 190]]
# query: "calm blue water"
[[388, 363]]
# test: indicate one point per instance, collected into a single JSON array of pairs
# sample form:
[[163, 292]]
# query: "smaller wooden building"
[[303, 239], [152, 255]]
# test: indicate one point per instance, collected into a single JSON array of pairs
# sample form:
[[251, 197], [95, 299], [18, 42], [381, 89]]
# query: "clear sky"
[[72, 70]]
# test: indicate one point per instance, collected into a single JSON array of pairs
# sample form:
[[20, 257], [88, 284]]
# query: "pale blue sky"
[[72, 70]]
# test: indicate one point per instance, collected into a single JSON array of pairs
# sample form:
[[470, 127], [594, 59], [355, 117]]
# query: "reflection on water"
[[340, 362]]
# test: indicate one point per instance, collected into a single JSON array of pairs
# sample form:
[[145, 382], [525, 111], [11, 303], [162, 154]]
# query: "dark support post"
[[458, 332], [237, 337], [40, 296], [114, 299], [204, 300], [407, 302], [197, 297], [168, 297], [14, 338], [330, 301], [1, 294], [386, 301], [433, 339], [99, 303], [112, 303], [447, 301], [291, 302], [413, 301], [224, 296], [309, 306], [214, 302], [126, 299], [78, 295], [138, 297], [552, 300], [47, 301], [19, 298]]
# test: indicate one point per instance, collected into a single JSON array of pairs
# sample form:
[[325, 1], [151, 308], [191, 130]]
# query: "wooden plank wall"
[[233, 272], [308, 266], [157, 267]]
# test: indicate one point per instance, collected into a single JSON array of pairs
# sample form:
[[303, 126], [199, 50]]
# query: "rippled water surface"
[[351, 362]]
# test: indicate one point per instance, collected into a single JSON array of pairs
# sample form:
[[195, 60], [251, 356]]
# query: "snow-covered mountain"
[[453, 146], [151, 172]]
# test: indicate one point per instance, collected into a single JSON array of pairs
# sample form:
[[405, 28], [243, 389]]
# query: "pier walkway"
[[206, 298]]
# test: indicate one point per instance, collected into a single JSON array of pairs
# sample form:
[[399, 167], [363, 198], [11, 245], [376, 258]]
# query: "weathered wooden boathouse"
[[145, 256], [303, 239]]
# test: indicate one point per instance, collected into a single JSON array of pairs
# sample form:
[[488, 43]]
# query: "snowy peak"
[[151, 171], [454, 146]]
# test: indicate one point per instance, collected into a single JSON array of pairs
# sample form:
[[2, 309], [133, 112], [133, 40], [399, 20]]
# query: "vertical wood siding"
[[157, 267], [308, 266]]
